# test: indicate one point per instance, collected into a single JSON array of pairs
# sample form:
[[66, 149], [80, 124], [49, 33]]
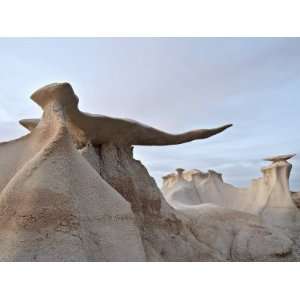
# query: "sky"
[[174, 84]]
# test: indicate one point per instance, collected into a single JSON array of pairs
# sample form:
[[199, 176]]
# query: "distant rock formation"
[[268, 197]]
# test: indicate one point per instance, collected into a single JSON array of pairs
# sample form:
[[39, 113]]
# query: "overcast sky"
[[175, 85]]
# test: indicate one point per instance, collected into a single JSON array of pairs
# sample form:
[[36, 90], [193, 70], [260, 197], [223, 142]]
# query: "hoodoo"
[[279, 207], [267, 197]]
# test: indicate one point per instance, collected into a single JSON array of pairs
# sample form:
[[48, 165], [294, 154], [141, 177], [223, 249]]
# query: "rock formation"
[[268, 197], [260, 222], [70, 190], [239, 236], [54, 206]]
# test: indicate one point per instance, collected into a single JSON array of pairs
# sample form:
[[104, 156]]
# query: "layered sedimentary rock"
[[268, 197]]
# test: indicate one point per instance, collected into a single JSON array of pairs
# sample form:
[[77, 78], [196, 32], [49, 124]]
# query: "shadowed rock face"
[[296, 198]]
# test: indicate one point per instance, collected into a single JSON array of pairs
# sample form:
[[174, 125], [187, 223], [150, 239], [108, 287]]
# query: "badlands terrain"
[[71, 190]]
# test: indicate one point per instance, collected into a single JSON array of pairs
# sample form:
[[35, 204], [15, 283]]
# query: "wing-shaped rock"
[[101, 129]]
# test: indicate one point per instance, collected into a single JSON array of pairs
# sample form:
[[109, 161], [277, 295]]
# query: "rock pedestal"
[[279, 207]]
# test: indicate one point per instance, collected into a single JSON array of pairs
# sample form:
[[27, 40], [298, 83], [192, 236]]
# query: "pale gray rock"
[[268, 197]]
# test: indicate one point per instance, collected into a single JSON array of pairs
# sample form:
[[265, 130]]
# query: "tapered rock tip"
[[227, 126]]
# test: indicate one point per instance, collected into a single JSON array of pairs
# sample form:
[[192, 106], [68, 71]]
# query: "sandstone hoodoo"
[[267, 197], [71, 190]]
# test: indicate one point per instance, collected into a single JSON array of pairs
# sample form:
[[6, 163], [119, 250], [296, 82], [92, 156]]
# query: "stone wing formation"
[[99, 129]]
